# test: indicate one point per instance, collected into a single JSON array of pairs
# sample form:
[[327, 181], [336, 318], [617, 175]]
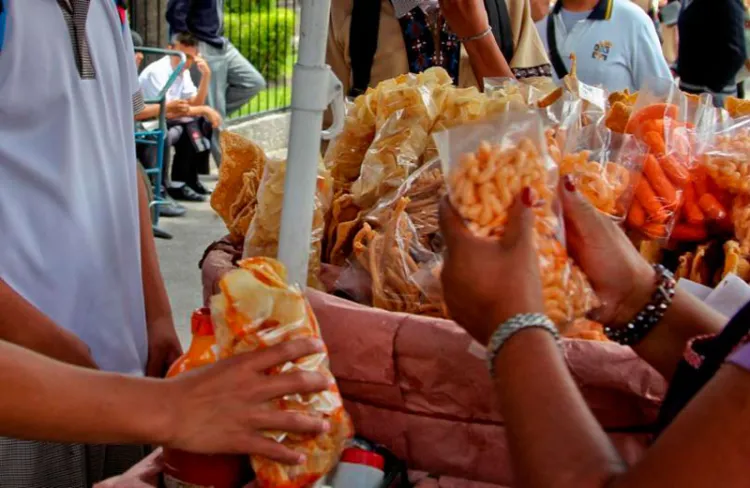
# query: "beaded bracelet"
[[651, 314]]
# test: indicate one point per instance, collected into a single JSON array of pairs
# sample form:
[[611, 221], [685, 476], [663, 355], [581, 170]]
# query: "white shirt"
[[155, 76], [68, 206], [616, 47]]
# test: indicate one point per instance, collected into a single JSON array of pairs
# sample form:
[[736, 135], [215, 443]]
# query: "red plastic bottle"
[[186, 469]]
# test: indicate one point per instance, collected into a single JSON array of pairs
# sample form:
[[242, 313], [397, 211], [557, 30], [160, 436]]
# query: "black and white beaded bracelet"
[[651, 314]]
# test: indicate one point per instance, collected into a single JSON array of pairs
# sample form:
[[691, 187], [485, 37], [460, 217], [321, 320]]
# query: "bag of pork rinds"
[[605, 167], [487, 165], [659, 121]]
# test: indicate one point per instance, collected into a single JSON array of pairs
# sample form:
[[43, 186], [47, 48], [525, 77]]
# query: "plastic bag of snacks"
[[487, 165], [605, 167], [658, 122], [405, 115], [344, 156], [257, 309], [726, 157], [262, 238], [386, 260]]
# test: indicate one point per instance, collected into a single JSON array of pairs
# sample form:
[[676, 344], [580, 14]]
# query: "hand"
[[225, 408], [177, 109], [622, 279], [466, 18], [486, 281], [202, 66], [213, 117], [145, 474], [163, 347]]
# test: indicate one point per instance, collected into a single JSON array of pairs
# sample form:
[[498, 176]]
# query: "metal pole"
[[310, 84]]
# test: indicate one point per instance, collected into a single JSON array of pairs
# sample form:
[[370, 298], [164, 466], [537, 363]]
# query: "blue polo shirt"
[[616, 45]]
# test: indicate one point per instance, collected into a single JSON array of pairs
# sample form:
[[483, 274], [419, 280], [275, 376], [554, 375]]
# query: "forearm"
[[150, 111], [200, 97], [686, 318], [486, 59], [199, 111], [89, 406], [23, 324], [553, 437], [154, 291]]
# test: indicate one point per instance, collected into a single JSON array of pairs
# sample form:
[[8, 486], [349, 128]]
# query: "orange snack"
[[257, 309], [602, 184], [655, 230], [712, 207], [650, 112], [655, 142], [689, 233], [676, 171], [659, 181], [484, 185], [646, 196], [636, 216], [727, 161], [691, 210]]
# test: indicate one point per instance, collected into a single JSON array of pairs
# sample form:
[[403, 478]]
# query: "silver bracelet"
[[515, 324], [476, 37]]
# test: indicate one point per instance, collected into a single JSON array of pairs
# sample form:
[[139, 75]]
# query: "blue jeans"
[[234, 81]]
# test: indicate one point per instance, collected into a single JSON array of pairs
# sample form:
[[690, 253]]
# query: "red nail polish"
[[568, 183], [526, 197]]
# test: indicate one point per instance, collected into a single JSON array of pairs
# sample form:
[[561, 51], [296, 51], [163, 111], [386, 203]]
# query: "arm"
[[163, 344], [150, 111], [202, 92], [177, 14], [21, 323], [487, 61]]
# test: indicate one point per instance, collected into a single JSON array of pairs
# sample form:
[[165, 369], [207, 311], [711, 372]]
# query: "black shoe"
[[185, 193], [170, 208], [161, 234], [198, 188]]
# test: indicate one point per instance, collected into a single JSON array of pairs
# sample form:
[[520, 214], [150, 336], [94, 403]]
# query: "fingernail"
[[526, 197], [302, 459], [568, 183], [326, 427], [318, 344]]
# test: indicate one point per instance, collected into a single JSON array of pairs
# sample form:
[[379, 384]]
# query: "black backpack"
[[363, 37]]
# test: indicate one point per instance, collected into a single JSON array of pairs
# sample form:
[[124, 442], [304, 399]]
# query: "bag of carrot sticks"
[[605, 167], [487, 165], [658, 121]]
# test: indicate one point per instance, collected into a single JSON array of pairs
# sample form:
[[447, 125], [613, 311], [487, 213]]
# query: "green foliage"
[[240, 6], [265, 38]]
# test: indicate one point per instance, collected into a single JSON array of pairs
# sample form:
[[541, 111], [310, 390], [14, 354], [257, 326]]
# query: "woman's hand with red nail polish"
[[621, 278], [487, 281]]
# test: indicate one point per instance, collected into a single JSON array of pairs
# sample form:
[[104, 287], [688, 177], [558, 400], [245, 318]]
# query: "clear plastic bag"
[[727, 157], [487, 165], [257, 309], [405, 115], [262, 238], [605, 167], [659, 121]]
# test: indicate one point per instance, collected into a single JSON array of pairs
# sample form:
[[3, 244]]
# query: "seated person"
[[190, 134], [475, 40], [615, 43], [147, 153]]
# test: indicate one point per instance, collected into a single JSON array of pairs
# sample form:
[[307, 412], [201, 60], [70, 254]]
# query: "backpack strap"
[[3, 20], [363, 42], [554, 53], [497, 12]]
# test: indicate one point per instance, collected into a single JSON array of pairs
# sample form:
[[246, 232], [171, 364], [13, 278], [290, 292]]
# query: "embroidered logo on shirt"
[[601, 50]]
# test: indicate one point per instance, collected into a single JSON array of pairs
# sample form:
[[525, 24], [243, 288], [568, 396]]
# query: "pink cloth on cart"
[[412, 384]]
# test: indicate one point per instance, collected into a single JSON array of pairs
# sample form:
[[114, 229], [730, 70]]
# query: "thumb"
[[452, 225], [580, 215], [520, 226]]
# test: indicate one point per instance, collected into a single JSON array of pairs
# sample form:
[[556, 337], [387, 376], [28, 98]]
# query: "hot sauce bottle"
[[189, 470]]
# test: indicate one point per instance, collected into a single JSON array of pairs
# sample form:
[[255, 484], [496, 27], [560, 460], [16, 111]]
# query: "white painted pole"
[[310, 97]]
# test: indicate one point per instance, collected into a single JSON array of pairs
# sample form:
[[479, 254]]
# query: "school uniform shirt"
[[391, 59], [615, 44], [69, 200], [155, 76]]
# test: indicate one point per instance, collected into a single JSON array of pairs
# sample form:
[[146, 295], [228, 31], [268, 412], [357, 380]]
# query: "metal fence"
[[264, 31]]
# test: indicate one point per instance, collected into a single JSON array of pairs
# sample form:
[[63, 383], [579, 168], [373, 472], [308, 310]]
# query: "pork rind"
[[233, 192], [262, 237], [257, 309], [727, 158], [604, 167], [487, 166], [405, 115]]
